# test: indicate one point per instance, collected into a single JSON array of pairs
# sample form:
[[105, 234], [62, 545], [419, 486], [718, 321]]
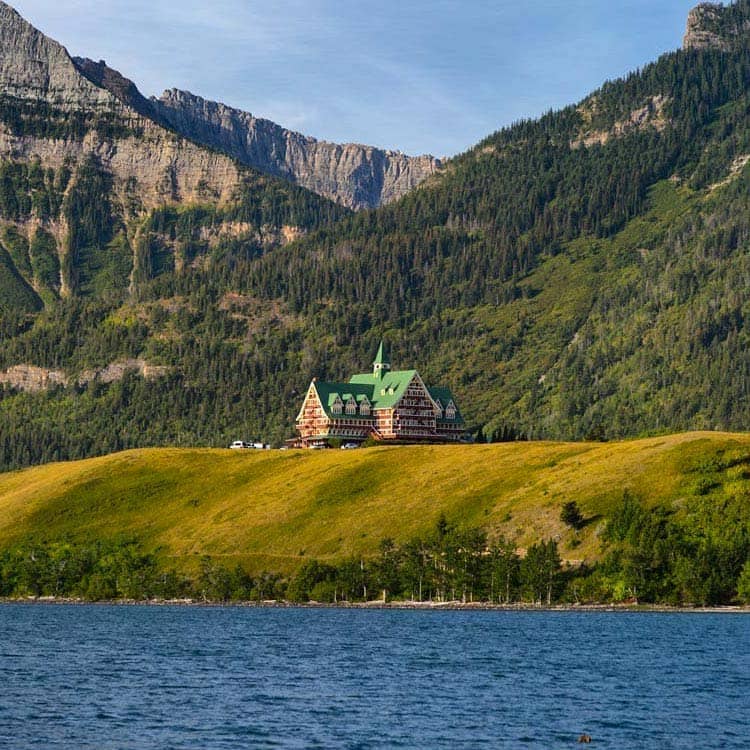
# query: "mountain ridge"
[[355, 175]]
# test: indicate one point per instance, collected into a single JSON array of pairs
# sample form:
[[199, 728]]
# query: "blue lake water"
[[175, 677]]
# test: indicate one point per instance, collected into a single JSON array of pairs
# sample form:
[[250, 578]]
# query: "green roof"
[[387, 389], [383, 392], [327, 393]]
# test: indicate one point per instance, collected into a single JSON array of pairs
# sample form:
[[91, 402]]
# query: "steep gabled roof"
[[388, 389], [382, 392], [445, 396]]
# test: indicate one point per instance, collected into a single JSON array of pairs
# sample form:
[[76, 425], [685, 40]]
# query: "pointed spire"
[[380, 356], [381, 365]]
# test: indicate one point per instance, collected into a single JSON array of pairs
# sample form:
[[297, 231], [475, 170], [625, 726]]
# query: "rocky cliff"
[[354, 175], [41, 87], [86, 160], [715, 26], [159, 139]]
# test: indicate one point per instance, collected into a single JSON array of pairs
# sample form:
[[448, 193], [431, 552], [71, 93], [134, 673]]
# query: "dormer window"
[[337, 406], [351, 406], [450, 411], [438, 408], [364, 407]]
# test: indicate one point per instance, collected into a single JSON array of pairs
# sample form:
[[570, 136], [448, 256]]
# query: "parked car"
[[240, 444], [349, 446]]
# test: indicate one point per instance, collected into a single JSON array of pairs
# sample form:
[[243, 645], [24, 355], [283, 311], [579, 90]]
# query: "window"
[[337, 406], [351, 406], [364, 407], [450, 410], [439, 410]]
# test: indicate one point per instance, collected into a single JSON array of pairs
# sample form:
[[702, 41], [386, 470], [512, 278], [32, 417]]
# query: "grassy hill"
[[273, 510]]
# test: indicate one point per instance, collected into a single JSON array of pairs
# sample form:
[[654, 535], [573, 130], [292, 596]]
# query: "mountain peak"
[[101, 75], [35, 67], [717, 26]]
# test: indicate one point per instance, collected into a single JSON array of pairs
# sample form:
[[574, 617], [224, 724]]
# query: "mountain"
[[83, 169], [580, 275], [353, 175]]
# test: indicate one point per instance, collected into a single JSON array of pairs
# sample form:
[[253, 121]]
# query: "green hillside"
[[275, 509], [663, 520]]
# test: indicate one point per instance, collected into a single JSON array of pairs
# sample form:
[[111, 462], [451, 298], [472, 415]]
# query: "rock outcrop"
[[715, 26], [651, 114], [33, 379], [113, 81], [354, 175], [115, 371], [163, 154], [40, 80]]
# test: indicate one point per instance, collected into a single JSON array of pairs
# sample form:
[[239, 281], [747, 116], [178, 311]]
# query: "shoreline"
[[379, 605]]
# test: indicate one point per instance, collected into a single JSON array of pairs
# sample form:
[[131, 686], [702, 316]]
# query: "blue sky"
[[422, 77]]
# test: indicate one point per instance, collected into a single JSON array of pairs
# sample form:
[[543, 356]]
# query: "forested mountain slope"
[[584, 274]]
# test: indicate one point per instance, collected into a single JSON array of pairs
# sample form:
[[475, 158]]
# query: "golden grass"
[[270, 509]]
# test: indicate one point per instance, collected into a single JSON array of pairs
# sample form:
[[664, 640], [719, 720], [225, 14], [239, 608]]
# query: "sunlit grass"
[[271, 509]]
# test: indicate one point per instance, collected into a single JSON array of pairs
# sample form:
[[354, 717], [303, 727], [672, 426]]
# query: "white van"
[[240, 444]]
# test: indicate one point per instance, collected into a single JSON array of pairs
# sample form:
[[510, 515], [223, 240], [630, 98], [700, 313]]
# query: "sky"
[[421, 76]]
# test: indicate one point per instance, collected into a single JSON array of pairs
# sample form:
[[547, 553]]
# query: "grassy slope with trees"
[[662, 519]]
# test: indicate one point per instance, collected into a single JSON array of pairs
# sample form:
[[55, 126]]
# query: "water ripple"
[[100, 677]]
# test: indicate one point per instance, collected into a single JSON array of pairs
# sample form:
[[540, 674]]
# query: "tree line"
[[651, 556]]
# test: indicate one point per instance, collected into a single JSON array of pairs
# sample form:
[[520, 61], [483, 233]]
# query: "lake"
[[101, 676]]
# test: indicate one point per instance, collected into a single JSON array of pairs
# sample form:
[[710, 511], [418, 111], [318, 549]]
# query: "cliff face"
[[85, 159], [355, 176], [40, 80], [715, 26], [37, 68]]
